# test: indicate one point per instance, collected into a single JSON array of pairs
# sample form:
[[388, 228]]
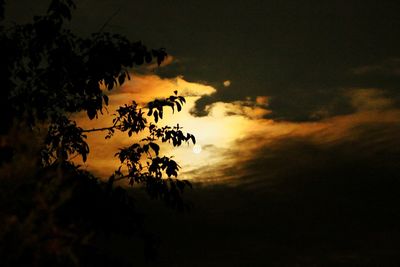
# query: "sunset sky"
[[293, 96], [257, 72]]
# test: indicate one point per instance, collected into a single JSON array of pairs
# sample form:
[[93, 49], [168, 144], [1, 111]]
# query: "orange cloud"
[[142, 89], [369, 99], [262, 100], [232, 133]]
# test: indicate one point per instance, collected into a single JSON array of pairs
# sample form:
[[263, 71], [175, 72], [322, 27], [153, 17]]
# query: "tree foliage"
[[54, 213]]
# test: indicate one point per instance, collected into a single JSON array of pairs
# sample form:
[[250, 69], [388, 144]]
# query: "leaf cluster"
[[62, 218], [47, 74]]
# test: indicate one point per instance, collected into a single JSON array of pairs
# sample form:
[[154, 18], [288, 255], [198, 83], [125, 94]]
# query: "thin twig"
[[109, 19], [121, 178], [98, 129]]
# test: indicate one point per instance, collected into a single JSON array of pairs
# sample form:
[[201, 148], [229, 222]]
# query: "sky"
[[292, 102], [302, 55], [322, 69]]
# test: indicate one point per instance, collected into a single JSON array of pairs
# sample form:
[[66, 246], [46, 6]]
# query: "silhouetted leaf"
[[91, 113], [148, 57], [105, 97], [121, 78], [155, 116], [155, 147]]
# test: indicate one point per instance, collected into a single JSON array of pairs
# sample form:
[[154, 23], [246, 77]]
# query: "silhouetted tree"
[[52, 211]]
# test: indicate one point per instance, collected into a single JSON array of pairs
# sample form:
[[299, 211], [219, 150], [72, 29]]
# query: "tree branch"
[[98, 129], [109, 19], [121, 178]]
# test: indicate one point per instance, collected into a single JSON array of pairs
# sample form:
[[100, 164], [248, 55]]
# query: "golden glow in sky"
[[230, 134]]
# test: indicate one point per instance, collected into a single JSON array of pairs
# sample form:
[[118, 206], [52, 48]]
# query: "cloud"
[[262, 100], [388, 67], [369, 99], [240, 145], [239, 108], [359, 148], [144, 88], [265, 149]]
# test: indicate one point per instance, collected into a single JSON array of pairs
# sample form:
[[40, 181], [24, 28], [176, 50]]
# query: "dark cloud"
[[368, 151], [300, 54], [366, 155], [390, 67], [299, 202]]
